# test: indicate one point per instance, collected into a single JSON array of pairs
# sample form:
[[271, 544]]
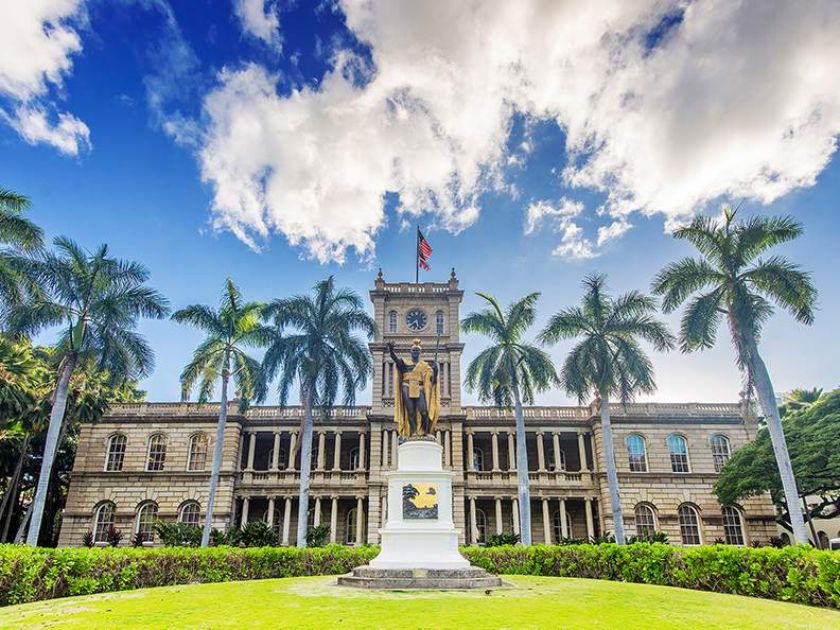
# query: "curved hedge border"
[[794, 574]]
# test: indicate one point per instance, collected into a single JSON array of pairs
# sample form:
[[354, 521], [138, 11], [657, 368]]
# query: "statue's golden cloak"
[[431, 392]]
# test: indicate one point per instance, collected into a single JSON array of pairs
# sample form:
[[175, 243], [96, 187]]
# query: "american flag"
[[424, 251]]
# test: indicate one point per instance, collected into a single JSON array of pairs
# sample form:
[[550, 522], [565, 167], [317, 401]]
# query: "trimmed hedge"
[[30, 574], [794, 574]]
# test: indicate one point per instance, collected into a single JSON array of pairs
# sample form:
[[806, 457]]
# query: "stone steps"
[[434, 579]]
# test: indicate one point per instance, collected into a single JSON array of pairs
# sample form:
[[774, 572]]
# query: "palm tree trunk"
[[813, 529], [50, 447], [767, 400], [305, 468], [612, 472], [10, 498], [218, 450], [522, 469]]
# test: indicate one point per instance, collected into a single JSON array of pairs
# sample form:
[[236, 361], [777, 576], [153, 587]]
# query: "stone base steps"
[[434, 579]]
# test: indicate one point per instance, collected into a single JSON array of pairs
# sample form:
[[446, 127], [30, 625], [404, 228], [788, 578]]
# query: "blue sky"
[[279, 142]]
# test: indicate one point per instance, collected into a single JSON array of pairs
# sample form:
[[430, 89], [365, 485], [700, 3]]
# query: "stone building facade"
[[151, 461]]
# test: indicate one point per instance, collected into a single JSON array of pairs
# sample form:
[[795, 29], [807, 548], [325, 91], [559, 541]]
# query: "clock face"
[[416, 319]]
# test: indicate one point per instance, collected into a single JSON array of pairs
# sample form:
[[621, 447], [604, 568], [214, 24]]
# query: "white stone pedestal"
[[417, 538]]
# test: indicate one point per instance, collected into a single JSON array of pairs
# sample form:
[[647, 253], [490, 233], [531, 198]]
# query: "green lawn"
[[315, 602]]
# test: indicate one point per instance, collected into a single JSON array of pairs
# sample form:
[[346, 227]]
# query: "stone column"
[[334, 520], [317, 517], [244, 518], [362, 457], [473, 525], [395, 436], [337, 453], [470, 451], [498, 514], [514, 507], [590, 526], [447, 449], [384, 509], [564, 524], [584, 466], [540, 451], [546, 514], [252, 445], [275, 454], [558, 454], [511, 451], [322, 450], [287, 519], [494, 438], [359, 519], [292, 454], [270, 519]]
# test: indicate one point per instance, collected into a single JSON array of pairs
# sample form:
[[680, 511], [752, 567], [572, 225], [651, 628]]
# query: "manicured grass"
[[315, 602]]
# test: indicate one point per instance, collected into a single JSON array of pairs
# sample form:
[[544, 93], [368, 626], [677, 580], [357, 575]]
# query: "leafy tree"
[[314, 345], [609, 360], [230, 329], [17, 234], [813, 435], [731, 280], [96, 302], [798, 399], [510, 372]]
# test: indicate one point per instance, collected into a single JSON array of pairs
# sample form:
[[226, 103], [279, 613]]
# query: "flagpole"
[[417, 258]]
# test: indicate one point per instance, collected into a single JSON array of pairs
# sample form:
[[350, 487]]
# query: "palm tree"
[[96, 301], [609, 360], [17, 234], [510, 371], [799, 399], [323, 356], [730, 280], [235, 325]]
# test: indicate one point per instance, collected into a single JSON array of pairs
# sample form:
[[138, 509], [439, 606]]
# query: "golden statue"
[[416, 393]]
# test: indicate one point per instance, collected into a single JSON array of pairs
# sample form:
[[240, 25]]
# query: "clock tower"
[[428, 311]]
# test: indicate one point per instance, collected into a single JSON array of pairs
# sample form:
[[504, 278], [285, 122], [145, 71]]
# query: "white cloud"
[[36, 50], [69, 134], [741, 99], [573, 244], [260, 19]]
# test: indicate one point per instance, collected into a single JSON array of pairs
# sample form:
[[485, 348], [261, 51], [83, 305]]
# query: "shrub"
[[317, 536], [178, 534], [258, 534], [87, 539], [114, 536], [796, 574], [34, 573], [500, 540]]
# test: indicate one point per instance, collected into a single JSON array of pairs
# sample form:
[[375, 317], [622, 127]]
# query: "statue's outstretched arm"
[[397, 361]]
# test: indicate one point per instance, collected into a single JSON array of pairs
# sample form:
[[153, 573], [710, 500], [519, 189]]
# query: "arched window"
[[189, 513], [392, 322], [678, 449], [478, 459], [146, 518], [733, 526], [822, 537], [480, 525], [439, 321], [637, 452], [354, 458], [157, 452], [720, 451], [557, 525], [198, 452], [116, 453], [551, 464], [689, 525], [645, 521], [103, 520]]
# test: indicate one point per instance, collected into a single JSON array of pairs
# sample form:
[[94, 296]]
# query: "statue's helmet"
[[415, 344]]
